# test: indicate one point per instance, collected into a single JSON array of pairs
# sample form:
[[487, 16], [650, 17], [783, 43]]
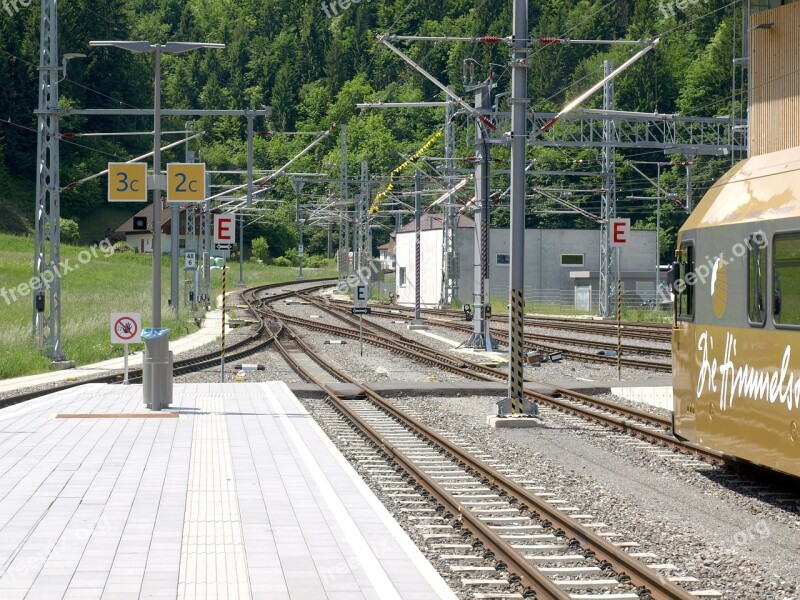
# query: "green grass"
[[119, 283]]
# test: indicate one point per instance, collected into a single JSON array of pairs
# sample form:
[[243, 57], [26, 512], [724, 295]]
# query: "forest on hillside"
[[313, 70]]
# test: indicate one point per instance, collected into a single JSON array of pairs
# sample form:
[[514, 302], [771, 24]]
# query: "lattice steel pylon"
[[344, 223], [608, 201], [47, 323], [449, 266]]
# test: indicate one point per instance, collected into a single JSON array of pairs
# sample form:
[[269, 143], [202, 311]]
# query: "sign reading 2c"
[[186, 182]]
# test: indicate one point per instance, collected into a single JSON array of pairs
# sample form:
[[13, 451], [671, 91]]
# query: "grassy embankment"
[[106, 284]]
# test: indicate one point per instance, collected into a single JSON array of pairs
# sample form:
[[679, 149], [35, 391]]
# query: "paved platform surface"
[[241, 496], [210, 330]]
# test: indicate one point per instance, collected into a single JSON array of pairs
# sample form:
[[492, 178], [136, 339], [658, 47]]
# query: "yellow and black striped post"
[[516, 351], [619, 329], [224, 308]]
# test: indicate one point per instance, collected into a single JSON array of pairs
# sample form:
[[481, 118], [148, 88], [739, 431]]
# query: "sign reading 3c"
[[186, 182], [127, 182]]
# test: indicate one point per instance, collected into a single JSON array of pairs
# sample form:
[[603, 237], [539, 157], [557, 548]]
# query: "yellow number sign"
[[127, 182], [186, 182]]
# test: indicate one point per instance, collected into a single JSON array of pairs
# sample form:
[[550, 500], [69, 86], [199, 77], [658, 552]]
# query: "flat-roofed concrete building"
[[562, 266]]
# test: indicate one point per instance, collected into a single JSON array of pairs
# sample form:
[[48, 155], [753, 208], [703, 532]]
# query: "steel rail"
[[480, 372], [532, 339], [623, 564], [529, 575]]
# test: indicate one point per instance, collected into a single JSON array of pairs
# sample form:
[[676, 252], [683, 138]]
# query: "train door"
[[684, 339]]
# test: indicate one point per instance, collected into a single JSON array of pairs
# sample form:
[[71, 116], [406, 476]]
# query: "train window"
[[786, 279], [684, 287], [757, 280]]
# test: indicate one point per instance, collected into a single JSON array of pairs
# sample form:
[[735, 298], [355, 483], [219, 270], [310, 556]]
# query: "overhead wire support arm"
[[485, 39], [75, 184], [597, 86], [463, 103], [573, 208], [264, 180], [554, 41]]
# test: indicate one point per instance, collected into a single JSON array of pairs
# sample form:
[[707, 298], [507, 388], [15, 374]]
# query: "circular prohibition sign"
[[126, 329]]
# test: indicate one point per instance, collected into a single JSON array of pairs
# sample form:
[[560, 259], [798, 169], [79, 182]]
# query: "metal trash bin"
[[157, 369]]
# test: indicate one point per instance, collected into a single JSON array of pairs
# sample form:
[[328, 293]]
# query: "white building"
[[142, 239], [562, 266], [387, 255]]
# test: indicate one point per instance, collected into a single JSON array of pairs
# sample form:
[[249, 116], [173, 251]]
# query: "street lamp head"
[[138, 47], [181, 47]]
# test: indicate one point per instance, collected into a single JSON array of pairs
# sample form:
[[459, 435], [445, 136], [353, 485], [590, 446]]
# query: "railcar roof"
[[757, 189]]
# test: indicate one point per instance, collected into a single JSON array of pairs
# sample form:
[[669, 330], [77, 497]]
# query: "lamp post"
[[141, 47]]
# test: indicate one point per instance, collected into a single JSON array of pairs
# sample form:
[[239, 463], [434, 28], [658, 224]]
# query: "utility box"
[[157, 369]]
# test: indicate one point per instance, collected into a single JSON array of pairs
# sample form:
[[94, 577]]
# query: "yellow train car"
[[736, 341]]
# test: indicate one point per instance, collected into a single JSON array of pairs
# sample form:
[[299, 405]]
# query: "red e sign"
[[224, 229], [620, 228]]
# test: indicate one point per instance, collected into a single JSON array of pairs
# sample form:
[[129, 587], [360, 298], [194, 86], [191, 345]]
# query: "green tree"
[[70, 232], [260, 248]]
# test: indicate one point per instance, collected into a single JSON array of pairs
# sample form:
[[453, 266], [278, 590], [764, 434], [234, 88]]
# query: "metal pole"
[[207, 244], [125, 380], [658, 235], [175, 260], [241, 250], [619, 330], [608, 199], [298, 187], [157, 192], [417, 321], [250, 163], [481, 335], [300, 249], [250, 158], [364, 254], [47, 329], [688, 186], [344, 220], [224, 309], [361, 334], [519, 111]]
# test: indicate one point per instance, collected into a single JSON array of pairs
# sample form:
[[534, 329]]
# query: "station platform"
[[234, 492]]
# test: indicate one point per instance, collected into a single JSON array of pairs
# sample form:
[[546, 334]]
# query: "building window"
[[684, 287], [757, 280], [401, 278], [572, 260], [503, 259], [786, 276]]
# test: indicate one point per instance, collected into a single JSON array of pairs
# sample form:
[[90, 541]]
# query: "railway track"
[[532, 341], [630, 421], [654, 332], [481, 513]]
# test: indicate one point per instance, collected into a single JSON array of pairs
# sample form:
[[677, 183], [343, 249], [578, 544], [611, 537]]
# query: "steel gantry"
[[47, 316]]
